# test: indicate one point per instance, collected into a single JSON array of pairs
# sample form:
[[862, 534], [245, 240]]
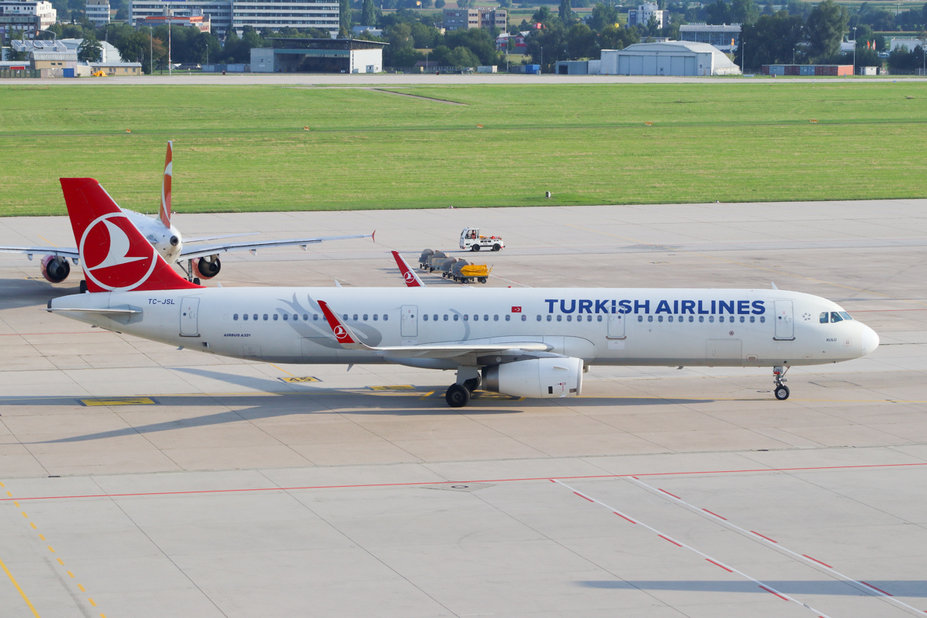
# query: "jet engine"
[[207, 268], [537, 377], [55, 268]]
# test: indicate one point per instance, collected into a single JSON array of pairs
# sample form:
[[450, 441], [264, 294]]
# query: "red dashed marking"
[[818, 561], [715, 514], [719, 565], [584, 497], [669, 494], [876, 588], [666, 538], [624, 517], [764, 536], [771, 591]]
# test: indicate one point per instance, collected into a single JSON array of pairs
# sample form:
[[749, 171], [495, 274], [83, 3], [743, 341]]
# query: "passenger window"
[[550, 318], [508, 317], [255, 317], [365, 317], [456, 317], [466, 317], [235, 317], [650, 318], [495, 318], [711, 318], [559, 318], [762, 318], [376, 316], [569, 318], [659, 318], [701, 318], [640, 318], [306, 317], [276, 317], [691, 318], [244, 317], [752, 319], [524, 318], [742, 319], [286, 316], [386, 317], [600, 318]]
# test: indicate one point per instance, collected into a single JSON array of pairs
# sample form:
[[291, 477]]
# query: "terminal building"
[[318, 56], [225, 15]]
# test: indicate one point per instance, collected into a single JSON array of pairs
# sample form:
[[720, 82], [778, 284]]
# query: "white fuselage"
[[614, 326], [167, 240]]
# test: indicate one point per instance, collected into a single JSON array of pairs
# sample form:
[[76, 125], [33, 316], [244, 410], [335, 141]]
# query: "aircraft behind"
[[528, 342], [198, 261]]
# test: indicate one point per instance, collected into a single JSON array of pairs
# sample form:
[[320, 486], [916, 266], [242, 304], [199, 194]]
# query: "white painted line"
[[718, 563], [868, 589]]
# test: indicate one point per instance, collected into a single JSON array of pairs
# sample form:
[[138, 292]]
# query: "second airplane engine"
[[55, 268], [537, 377], [207, 268]]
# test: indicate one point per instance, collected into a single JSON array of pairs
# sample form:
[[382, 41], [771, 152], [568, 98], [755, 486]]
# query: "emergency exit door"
[[785, 327]]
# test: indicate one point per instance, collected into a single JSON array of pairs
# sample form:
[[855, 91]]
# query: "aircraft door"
[[785, 328], [408, 323], [189, 308], [615, 326]]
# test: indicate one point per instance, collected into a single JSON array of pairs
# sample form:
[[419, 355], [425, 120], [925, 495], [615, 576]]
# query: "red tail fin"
[[408, 275], [165, 212], [113, 253]]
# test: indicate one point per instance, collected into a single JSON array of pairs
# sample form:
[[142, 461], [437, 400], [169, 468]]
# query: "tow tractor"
[[470, 239]]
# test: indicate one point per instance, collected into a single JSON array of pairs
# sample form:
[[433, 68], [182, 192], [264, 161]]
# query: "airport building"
[[679, 58], [318, 56], [725, 37]]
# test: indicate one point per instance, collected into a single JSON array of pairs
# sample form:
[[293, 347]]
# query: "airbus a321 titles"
[[197, 260], [528, 342]]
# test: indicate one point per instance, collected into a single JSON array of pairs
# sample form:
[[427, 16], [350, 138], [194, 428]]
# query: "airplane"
[[525, 342], [197, 262]]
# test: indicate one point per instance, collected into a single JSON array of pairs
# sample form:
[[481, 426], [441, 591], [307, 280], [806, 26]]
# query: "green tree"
[[614, 37], [772, 39], [744, 12], [566, 12], [90, 50], [825, 28], [581, 42], [344, 22], [603, 16], [369, 13]]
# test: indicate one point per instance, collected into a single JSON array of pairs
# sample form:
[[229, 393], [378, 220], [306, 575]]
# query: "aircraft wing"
[[202, 251], [67, 252]]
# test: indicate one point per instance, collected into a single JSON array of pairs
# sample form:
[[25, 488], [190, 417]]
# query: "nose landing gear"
[[781, 391]]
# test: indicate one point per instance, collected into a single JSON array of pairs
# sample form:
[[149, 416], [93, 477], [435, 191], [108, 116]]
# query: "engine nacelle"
[[537, 377], [207, 268], [55, 268]]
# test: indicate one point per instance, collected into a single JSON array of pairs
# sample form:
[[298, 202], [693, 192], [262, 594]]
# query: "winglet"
[[342, 333], [408, 275], [165, 212], [113, 253]]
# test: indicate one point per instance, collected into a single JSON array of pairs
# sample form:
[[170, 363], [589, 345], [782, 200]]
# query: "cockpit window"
[[834, 316]]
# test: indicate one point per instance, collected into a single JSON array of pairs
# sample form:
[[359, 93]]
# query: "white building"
[[725, 37], [97, 12], [26, 16], [642, 14], [218, 11], [225, 15], [908, 43], [683, 58], [322, 14]]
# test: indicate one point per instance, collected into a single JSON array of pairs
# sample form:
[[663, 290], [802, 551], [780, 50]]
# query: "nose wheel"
[[781, 391]]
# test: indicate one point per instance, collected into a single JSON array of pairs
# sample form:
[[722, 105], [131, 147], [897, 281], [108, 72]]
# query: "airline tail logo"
[[165, 212], [409, 276], [341, 334], [114, 257], [113, 253]]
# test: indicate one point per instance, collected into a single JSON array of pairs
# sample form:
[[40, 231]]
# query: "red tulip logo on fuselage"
[[116, 257]]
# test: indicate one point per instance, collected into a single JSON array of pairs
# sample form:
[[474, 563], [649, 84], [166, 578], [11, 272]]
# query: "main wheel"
[[457, 396], [496, 247], [474, 247], [782, 392]]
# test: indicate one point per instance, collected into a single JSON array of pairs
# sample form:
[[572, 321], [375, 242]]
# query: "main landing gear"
[[458, 394], [781, 391]]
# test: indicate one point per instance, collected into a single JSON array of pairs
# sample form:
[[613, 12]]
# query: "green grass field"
[[245, 148]]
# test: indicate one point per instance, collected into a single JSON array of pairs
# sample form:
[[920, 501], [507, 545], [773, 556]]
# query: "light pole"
[[170, 65], [854, 50]]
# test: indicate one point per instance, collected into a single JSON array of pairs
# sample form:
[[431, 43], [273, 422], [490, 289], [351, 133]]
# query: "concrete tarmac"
[[141, 480]]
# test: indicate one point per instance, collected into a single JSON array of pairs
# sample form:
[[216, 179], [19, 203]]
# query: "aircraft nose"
[[869, 340]]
